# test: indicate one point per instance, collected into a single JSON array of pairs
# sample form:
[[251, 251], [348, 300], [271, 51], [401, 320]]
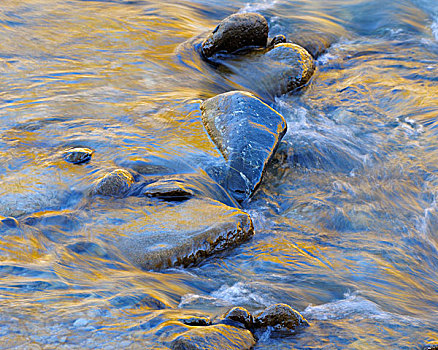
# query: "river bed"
[[346, 224]]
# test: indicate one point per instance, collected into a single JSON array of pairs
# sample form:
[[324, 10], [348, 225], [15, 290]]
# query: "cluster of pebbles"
[[247, 133]]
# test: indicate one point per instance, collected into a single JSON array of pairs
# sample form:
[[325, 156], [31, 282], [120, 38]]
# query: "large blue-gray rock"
[[247, 132], [236, 32]]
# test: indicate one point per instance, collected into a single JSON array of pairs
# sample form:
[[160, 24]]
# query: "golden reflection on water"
[[114, 76]]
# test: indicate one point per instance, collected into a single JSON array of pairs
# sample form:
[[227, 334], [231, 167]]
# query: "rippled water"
[[346, 226]]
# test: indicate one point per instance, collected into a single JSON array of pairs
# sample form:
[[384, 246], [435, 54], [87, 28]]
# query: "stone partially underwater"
[[198, 228], [247, 132], [240, 49]]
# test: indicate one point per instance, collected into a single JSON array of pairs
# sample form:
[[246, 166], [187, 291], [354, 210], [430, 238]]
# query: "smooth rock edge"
[[235, 32]]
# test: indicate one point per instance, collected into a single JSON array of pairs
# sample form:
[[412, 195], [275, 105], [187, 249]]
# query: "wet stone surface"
[[78, 155], [281, 317], [247, 132], [183, 234], [236, 32], [278, 70], [114, 184]]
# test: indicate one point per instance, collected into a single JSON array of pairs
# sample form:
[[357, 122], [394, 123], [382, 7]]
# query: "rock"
[[235, 32], [275, 71], [315, 43], [184, 186], [78, 155], [247, 132], [217, 337], [281, 317], [9, 222], [196, 321], [115, 184], [239, 316], [179, 235]]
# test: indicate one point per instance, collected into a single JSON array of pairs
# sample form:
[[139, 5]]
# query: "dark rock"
[[281, 317], [247, 132], [115, 184], [78, 155], [184, 186], [276, 71], [196, 321], [168, 190], [181, 234], [235, 32], [217, 337], [239, 315], [315, 43], [9, 222]]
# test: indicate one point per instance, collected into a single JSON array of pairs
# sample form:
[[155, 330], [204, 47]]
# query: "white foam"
[[258, 6], [355, 305], [435, 27], [242, 294]]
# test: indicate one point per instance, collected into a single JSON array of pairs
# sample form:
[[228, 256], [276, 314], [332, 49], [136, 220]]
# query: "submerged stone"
[[235, 32], [281, 317], [315, 43], [217, 337], [276, 71], [183, 234], [115, 184], [185, 186], [247, 132], [78, 155]]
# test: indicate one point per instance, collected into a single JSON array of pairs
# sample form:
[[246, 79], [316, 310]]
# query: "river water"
[[346, 225]]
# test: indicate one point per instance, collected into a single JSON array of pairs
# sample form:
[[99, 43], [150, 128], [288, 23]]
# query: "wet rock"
[[9, 222], [78, 155], [196, 321], [115, 184], [184, 186], [235, 32], [315, 43], [66, 221], [273, 72], [247, 132], [280, 317], [181, 234], [168, 190], [239, 316], [217, 337]]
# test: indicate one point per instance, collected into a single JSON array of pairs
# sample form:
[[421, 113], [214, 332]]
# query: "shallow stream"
[[346, 223]]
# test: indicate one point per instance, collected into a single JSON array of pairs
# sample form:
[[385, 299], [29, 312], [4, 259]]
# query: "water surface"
[[346, 226]]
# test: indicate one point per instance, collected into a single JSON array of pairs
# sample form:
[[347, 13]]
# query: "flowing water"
[[346, 225]]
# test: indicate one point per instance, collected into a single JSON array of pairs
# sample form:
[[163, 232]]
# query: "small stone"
[[78, 155], [115, 184], [280, 317], [235, 32], [240, 315], [10, 222], [197, 321]]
